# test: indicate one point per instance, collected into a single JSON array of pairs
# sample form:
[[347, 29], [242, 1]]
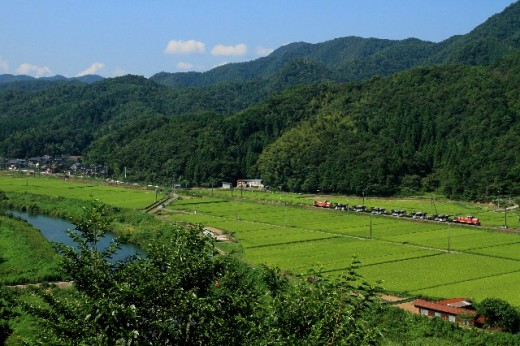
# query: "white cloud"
[[4, 66], [238, 50], [29, 69], [185, 47], [262, 51], [185, 66], [221, 64], [93, 69], [118, 72]]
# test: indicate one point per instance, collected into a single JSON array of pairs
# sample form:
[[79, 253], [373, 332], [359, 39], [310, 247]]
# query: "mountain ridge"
[[354, 58]]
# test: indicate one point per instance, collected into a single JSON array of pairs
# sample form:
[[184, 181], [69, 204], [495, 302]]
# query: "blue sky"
[[116, 37]]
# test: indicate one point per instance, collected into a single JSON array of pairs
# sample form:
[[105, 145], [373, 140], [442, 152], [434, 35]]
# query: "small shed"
[[227, 185]]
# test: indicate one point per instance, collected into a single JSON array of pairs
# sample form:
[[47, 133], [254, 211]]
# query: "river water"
[[55, 230]]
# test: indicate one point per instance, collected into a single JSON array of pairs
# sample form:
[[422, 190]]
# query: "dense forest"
[[450, 124]]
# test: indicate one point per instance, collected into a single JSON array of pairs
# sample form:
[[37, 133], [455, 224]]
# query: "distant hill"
[[354, 58], [9, 78], [28, 83], [331, 56]]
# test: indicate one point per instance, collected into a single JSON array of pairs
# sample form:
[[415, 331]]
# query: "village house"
[[459, 310], [15, 164], [250, 183]]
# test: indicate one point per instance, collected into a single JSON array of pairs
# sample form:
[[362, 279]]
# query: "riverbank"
[[25, 255]]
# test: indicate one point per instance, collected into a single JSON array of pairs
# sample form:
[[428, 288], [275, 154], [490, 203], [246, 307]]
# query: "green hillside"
[[451, 128]]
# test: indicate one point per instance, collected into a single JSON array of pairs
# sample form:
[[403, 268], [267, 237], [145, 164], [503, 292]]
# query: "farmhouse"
[[459, 310], [250, 183]]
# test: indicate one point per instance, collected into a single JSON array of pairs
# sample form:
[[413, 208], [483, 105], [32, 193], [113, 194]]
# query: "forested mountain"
[[354, 58], [451, 127]]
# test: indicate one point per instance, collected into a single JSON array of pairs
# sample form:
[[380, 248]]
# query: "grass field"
[[88, 190], [428, 258]]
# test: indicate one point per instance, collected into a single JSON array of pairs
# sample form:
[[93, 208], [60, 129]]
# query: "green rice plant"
[[500, 285], [408, 255], [330, 254], [424, 273], [279, 236], [511, 251], [490, 215], [89, 190], [454, 238]]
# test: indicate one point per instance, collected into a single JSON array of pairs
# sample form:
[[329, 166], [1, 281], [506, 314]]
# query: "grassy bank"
[[25, 255]]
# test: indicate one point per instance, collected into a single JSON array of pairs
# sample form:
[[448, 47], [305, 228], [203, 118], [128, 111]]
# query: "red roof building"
[[458, 310]]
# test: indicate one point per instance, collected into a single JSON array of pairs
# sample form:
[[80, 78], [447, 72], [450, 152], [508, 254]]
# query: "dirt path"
[[159, 205], [403, 303]]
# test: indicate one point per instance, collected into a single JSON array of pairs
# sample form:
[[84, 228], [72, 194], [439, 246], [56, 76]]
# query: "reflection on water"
[[55, 229]]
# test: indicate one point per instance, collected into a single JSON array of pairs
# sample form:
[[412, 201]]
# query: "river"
[[55, 230]]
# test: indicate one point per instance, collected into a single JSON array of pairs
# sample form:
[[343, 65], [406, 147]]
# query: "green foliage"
[[6, 313], [499, 314], [410, 133], [326, 313]]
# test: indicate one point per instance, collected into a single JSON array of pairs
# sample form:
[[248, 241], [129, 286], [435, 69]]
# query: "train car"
[[467, 220], [322, 204]]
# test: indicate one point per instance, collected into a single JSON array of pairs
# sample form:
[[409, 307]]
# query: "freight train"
[[466, 220]]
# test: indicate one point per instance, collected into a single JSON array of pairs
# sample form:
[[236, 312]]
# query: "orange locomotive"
[[322, 204], [467, 220]]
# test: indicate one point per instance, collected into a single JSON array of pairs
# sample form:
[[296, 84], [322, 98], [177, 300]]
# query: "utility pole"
[[449, 238], [505, 215], [285, 209], [236, 208], [371, 231]]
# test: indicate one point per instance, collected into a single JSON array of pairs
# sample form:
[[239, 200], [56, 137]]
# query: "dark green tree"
[[6, 313], [499, 314]]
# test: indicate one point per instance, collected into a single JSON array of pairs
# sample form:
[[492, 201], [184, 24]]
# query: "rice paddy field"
[[281, 229], [85, 190], [407, 256]]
